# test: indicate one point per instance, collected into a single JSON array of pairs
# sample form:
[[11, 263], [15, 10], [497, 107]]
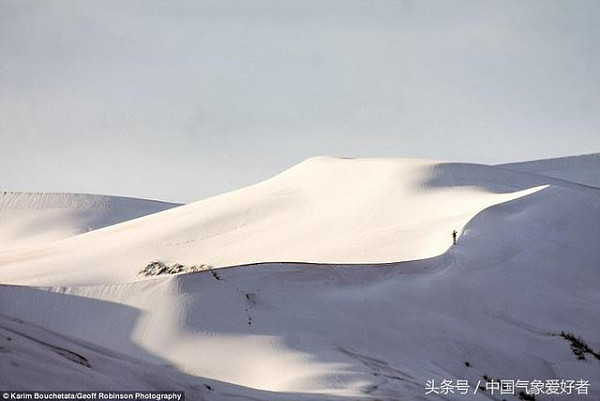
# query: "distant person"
[[454, 233]]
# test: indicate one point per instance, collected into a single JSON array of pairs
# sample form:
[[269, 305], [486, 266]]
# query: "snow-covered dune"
[[525, 268], [583, 169], [33, 219], [323, 210]]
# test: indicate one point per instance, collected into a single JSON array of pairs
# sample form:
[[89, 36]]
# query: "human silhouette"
[[454, 233]]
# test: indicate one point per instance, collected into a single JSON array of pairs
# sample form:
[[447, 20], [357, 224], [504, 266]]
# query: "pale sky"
[[180, 100]]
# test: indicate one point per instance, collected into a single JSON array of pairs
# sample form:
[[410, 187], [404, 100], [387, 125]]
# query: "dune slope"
[[34, 219], [583, 169], [324, 210]]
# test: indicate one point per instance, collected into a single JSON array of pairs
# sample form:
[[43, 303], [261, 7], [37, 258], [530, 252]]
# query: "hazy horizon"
[[182, 100]]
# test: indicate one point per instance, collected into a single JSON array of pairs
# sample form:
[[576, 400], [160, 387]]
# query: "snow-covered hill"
[[583, 169], [525, 269], [33, 219], [323, 210]]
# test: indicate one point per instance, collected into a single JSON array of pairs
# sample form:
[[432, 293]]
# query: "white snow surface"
[[324, 210], [341, 283], [30, 218], [583, 169]]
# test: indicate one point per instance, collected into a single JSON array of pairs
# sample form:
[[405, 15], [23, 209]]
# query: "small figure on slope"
[[454, 233]]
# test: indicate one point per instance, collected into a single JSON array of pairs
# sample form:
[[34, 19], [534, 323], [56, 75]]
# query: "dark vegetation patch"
[[578, 346], [158, 268], [526, 397]]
